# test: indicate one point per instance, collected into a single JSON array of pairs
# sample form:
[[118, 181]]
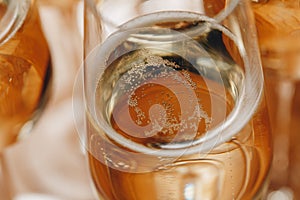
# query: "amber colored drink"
[[279, 35], [164, 96], [24, 75], [234, 169]]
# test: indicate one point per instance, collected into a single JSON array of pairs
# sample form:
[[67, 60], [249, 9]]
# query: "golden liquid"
[[149, 91], [234, 170], [24, 70], [278, 33]]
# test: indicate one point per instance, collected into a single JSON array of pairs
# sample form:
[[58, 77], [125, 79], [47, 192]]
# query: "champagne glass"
[[174, 100], [25, 69], [279, 35]]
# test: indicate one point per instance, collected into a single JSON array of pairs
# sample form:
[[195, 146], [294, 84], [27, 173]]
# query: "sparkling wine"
[[24, 75], [280, 51], [168, 91]]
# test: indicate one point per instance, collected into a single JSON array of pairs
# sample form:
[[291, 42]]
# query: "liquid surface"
[[167, 104]]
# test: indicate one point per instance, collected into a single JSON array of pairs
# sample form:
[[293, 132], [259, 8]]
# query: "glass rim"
[[244, 109]]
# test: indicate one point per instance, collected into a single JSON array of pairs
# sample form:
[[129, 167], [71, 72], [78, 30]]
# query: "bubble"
[[171, 111]]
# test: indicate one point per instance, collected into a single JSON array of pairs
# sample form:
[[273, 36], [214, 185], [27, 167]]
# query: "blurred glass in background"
[[50, 164], [278, 25]]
